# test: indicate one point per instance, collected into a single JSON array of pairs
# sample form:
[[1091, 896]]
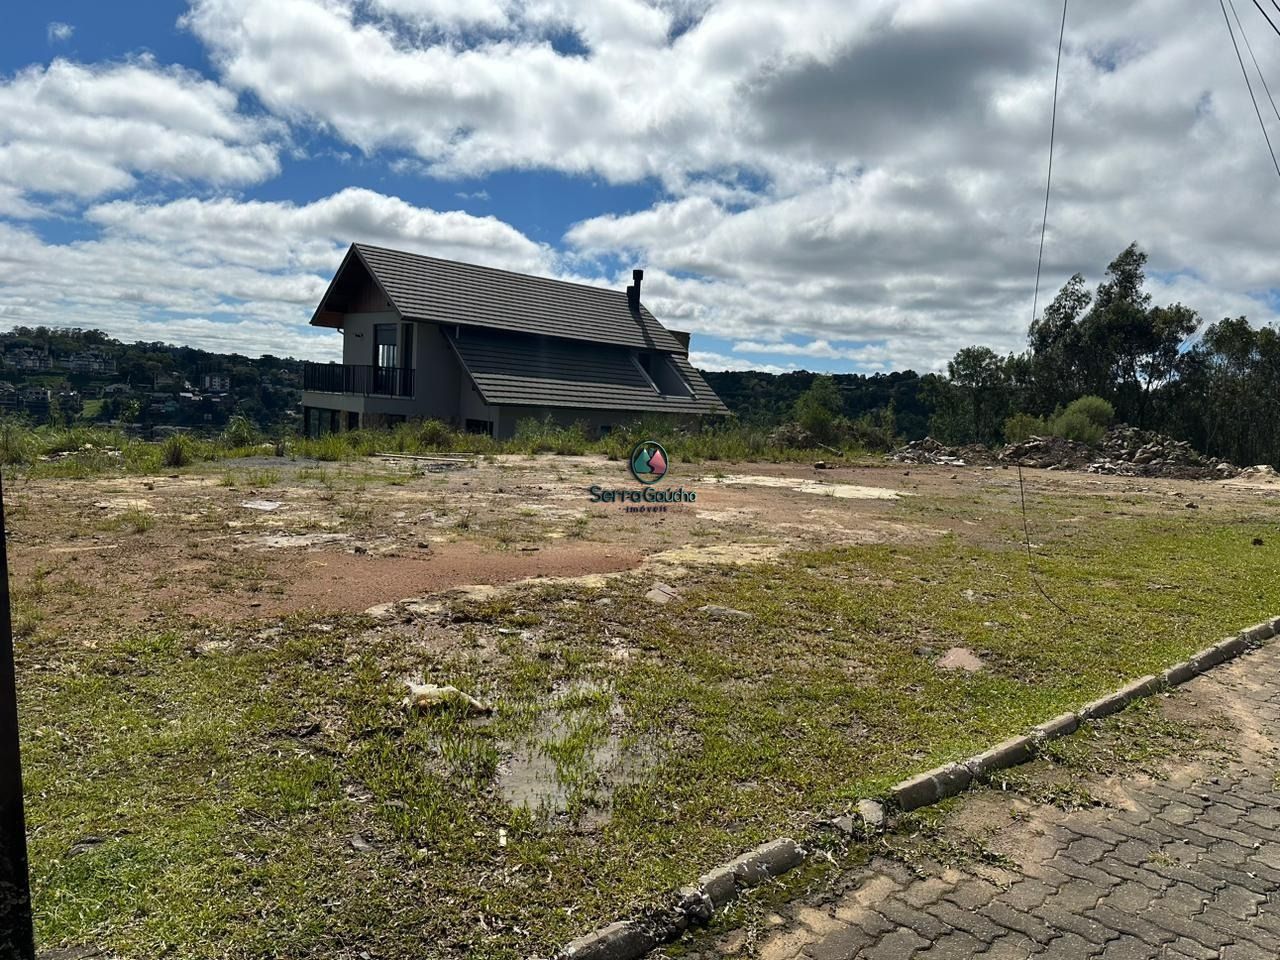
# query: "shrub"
[[175, 451], [436, 435], [817, 408], [1076, 425], [1095, 409], [240, 432], [1023, 426], [875, 431]]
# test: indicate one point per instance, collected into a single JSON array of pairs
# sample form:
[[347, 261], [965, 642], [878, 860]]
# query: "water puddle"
[[571, 761]]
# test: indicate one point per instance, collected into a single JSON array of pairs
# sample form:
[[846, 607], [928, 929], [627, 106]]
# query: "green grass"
[[227, 780]]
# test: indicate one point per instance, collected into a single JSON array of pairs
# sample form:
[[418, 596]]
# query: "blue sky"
[[821, 185]]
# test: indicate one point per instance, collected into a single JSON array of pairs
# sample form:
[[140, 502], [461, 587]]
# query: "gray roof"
[[463, 294], [515, 370]]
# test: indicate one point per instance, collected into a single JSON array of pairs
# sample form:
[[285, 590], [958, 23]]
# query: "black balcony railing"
[[360, 380]]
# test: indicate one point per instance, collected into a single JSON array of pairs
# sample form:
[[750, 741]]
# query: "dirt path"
[[1170, 869]]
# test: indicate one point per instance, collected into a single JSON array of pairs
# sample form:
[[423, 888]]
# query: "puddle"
[[843, 491], [530, 777]]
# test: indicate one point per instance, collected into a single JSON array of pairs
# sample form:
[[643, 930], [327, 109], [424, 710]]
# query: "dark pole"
[[17, 941]]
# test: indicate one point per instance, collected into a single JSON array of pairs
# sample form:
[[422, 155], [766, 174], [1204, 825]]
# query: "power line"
[[1248, 83], [1248, 46], [1262, 11], [1048, 180], [1035, 299]]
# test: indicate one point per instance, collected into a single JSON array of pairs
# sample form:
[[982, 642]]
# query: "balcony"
[[358, 380]]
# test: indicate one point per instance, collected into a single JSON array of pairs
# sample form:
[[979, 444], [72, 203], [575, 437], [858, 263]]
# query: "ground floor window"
[[480, 426], [317, 421]]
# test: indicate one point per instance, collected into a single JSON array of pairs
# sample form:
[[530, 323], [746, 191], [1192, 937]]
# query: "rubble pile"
[[1130, 452], [930, 450], [1048, 453], [1125, 451]]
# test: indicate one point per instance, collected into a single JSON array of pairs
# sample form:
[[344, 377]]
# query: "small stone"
[[724, 613], [872, 814], [361, 550], [1257, 541], [661, 593]]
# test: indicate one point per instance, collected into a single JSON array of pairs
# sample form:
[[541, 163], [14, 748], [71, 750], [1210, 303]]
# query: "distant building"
[[89, 361], [217, 382], [26, 358]]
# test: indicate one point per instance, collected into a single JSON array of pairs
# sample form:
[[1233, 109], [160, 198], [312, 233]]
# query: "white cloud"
[[857, 182], [718, 361], [85, 131], [867, 172], [229, 275], [59, 32]]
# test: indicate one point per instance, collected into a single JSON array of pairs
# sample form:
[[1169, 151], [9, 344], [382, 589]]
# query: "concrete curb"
[[695, 905], [953, 778]]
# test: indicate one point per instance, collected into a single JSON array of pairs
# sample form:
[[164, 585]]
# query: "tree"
[[818, 407]]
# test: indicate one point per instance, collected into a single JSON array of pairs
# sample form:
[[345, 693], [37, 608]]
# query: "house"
[[483, 349], [89, 361], [217, 382]]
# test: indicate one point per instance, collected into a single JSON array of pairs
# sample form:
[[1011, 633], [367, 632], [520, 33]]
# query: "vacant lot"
[[212, 668]]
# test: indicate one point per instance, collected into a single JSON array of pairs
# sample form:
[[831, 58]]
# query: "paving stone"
[[897, 945], [1186, 869]]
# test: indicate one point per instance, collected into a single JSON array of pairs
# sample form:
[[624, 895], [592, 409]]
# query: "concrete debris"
[[1130, 452], [430, 696], [1125, 451], [264, 505], [871, 812], [661, 593], [1048, 453], [930, 450]]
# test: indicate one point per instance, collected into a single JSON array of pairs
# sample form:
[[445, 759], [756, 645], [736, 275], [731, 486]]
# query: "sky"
[[834, 185]]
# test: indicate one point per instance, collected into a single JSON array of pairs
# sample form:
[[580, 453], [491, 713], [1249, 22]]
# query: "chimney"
[[633, 291]]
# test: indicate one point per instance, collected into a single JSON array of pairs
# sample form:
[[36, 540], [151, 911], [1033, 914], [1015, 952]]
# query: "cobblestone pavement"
[[1183, 868]]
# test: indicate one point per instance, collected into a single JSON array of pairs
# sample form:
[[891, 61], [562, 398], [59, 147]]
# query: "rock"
[[661, 593], [264, 505], [871, 812], [724, 613], [961, 658], [1257, 541], [430, 696], [358, 842]]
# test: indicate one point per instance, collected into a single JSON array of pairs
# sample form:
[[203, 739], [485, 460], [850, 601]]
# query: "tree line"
[[1160, 367]]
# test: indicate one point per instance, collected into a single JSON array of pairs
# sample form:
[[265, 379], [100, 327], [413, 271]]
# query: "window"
[[385, 352], [480, 426]]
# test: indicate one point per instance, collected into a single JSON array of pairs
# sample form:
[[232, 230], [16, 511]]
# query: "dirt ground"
[[252, 539]]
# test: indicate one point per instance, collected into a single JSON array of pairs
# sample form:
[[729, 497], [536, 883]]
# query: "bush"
[[1076, 425], [1095, 409], [240, 432], [175, 451], [1023, 426], [875, 431], [818, 407], [436, 435]]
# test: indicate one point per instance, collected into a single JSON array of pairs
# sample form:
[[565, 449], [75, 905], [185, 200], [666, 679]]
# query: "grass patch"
[[227, 781]]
